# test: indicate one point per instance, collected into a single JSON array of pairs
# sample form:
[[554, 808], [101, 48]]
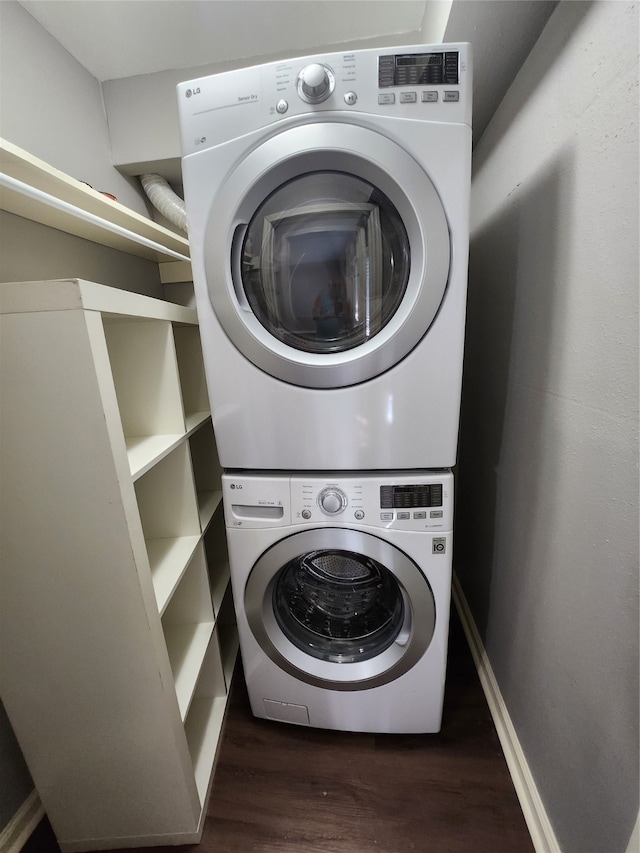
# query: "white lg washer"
[[341, 585], [327, 201]]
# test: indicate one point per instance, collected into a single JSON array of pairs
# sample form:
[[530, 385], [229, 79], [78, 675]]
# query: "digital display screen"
[[420, 59], [418, 69], [411, 496]]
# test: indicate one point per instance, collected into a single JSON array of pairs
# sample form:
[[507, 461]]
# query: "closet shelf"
[[31, 188]]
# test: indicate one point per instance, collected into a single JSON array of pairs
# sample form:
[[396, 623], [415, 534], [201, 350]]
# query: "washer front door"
[[339, 608], [327, 255]]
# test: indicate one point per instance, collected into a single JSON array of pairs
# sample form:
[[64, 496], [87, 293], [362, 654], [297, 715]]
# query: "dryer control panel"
[[419, 500], [423, 82]]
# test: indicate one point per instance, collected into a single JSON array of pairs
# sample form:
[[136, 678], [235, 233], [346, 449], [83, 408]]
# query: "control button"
[[386, 516], [306, 513], [408, 98], [419, 514], [403, 516], [436, 513], [332, 501], [387, 98], [358, 514], [451, 96], [282, 106], [350, 98], [429, 96], [315, 83]]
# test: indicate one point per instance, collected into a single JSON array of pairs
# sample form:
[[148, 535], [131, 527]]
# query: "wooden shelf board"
[[146, 450], [21, 166], [187, 645], [169, 559], [195, 419], [70, 294]]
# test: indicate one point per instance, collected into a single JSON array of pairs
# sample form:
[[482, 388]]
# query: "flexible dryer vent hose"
[[163, 198]]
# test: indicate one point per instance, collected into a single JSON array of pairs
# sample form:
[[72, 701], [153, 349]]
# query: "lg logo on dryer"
[[191, 92]]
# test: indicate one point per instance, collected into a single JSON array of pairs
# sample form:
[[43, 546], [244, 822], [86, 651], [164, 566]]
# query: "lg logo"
[[191, 92], [235, 486]]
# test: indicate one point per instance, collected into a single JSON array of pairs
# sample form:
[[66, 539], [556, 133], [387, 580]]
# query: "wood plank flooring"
[[289, 789]]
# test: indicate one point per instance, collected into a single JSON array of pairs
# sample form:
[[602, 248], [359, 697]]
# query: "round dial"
[[315, 83], [332, 500]]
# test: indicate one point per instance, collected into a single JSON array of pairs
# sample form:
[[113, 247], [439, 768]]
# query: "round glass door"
[[325, 262], [340, 608], [326, 254]]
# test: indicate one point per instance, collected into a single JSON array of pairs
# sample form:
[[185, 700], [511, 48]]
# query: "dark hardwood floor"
[[288, 789]]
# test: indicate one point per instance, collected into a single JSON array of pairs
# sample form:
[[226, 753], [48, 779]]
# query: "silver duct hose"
[[163, 198]]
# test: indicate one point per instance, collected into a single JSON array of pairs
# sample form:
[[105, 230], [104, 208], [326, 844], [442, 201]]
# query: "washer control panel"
[[419, 500]]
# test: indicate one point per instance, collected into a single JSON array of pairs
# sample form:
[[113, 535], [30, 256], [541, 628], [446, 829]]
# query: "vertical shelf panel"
[[195, 398], [206, 715], [207, 472], [227, 631], [145, 373], [215, 544], [188, 626], [170, 521]]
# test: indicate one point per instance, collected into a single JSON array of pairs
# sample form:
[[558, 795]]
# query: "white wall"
[[53, 108], [547, 526]]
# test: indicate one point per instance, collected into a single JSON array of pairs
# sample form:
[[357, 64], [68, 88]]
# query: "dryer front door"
[[339, 608], [327, 255]]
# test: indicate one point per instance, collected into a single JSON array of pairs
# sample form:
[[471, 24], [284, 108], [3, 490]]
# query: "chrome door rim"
[[410, 645], [364, 154]]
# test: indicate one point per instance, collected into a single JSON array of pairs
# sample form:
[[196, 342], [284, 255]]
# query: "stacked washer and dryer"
[[327, 200]]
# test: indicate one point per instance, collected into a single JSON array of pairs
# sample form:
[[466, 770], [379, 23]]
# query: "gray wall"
[[547, 524], [53, 107], [15, 780], [31, 252]]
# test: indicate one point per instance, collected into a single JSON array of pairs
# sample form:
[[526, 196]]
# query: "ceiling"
[[125, 38]]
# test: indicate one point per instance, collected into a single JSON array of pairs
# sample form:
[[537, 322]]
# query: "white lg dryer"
[[341, 585], [327, 201]]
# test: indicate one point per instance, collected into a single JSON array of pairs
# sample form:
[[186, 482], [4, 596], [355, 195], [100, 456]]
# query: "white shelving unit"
[[116, 620]]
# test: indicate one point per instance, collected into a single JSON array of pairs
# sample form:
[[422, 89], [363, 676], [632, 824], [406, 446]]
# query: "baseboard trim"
[[15, 834], [542, 835]]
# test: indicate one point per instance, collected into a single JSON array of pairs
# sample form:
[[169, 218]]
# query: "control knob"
[[315, 83], [332, 501]]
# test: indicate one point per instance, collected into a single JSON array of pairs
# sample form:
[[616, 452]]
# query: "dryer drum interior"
[[325, 262], [338, 606]]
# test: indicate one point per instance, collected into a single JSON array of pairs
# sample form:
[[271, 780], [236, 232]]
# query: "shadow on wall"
[[513, 296]]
